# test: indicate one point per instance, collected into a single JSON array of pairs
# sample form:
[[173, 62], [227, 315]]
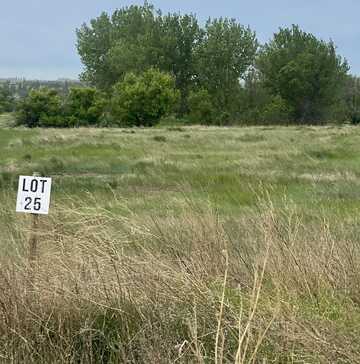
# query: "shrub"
[[84, 106], [159, 138], [276, 111], [7, 101], [201, 107], [41, 107], [141, 100]]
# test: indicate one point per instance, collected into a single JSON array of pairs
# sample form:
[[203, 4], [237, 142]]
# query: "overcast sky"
[[37, 37]]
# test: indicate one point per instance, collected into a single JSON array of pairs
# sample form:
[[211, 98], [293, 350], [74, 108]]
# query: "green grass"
[[318, 168], [157, 170]]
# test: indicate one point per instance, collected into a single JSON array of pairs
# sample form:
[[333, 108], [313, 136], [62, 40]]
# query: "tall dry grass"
[[192, 288]]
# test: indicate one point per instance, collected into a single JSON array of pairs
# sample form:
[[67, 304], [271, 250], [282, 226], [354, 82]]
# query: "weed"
[[160, 138]]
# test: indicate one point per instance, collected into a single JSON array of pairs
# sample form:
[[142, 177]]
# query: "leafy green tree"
[[306, 72], [254, 94], [276, 111], [201, 109], [134, 39], [223, 57], [350, 105], [179, 36], [7, 101], [111, 46], [93, 45], [84, 106], [142, 100], [42, 107], [251, 98], [137, 38]]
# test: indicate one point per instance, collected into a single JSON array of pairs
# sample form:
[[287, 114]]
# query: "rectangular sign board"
[[33, 195]]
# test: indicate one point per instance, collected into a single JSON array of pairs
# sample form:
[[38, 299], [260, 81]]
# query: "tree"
[[201, 109], [84, 106], [275, 111], [7, 101], [306, 72], [142, 100], [134, 39], [350, 105], [112, 46], [179, 36], [93, 45], [224, 55], [42, 107]]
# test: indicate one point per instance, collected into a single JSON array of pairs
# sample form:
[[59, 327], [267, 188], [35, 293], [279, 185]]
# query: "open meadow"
[[183, 244]]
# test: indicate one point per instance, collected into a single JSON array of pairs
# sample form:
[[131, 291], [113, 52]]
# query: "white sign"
[[33, 195]]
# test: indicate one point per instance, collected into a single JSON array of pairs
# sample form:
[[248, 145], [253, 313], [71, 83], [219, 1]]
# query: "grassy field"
[[184, 244]]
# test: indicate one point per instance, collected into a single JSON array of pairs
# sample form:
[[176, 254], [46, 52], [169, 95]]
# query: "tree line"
[[141, 65]]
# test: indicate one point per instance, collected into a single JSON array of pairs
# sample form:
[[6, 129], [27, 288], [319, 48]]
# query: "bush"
[[141, 100], [7, 101], [45, 107], [42, 107], [201, 109], [84, 106], [276, 111]]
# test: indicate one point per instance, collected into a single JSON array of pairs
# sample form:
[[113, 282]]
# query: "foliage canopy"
[[143, 100], [306, 72]]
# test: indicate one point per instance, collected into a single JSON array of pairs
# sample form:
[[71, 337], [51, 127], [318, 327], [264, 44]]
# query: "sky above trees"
[[38, 38]]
